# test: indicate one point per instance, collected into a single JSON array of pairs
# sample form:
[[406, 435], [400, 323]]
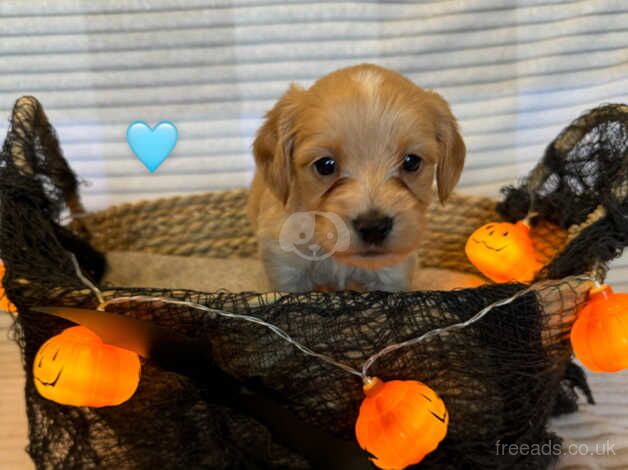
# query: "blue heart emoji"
[[152, 146]]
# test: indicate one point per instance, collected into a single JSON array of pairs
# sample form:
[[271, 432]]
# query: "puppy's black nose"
[[373, 227]]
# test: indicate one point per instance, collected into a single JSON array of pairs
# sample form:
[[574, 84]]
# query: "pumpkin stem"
[[372, 385], [600, 292], [528, 218]]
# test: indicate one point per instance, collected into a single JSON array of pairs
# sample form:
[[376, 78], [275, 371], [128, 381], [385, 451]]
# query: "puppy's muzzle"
[[373, 227]]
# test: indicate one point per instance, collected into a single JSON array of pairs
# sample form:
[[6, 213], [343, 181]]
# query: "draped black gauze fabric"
[[500, 378]]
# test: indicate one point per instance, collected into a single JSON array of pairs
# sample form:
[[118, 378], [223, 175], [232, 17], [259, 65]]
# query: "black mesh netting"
[[584, 168], [500, 378]]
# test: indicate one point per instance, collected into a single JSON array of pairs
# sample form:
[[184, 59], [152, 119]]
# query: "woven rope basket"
[[215, 225]]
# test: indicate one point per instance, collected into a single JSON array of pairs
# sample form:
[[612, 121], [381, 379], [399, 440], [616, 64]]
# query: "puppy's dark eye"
[[412, 162], [325, 166]]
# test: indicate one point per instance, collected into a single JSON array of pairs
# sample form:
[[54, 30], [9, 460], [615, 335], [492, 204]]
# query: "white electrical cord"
[[363, 373]]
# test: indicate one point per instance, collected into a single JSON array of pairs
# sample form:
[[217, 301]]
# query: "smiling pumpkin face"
[[503, 252], [77, 368]]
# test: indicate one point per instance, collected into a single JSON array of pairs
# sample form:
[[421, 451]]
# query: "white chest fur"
[[288, 271]]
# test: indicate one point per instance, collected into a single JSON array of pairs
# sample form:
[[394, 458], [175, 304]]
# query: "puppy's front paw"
[[322, 288], [351, 285], [356, 286]]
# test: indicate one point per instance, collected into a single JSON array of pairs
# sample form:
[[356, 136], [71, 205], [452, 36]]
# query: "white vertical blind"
[[515, 72]]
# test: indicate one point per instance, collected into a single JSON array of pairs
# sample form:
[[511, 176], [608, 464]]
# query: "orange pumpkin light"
[[5, 303], [503, 252], [599, 336], [77, 368], [400, 422]]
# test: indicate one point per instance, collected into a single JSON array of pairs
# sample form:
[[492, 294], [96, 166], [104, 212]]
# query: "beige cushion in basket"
[[138, 269]]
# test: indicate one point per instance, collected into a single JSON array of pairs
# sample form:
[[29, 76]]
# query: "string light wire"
[[363, 373], [274, 328], [86, 281]]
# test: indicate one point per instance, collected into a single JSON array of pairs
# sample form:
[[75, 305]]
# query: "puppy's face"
[[363, 143]]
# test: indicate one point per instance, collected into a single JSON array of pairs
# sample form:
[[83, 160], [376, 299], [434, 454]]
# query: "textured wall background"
[[515, 72]]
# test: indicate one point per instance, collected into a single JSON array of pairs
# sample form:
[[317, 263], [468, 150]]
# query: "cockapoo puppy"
[[344, 174]]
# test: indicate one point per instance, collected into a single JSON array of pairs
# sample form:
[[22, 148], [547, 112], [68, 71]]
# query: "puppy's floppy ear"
[[453, 150], [274, 143]]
